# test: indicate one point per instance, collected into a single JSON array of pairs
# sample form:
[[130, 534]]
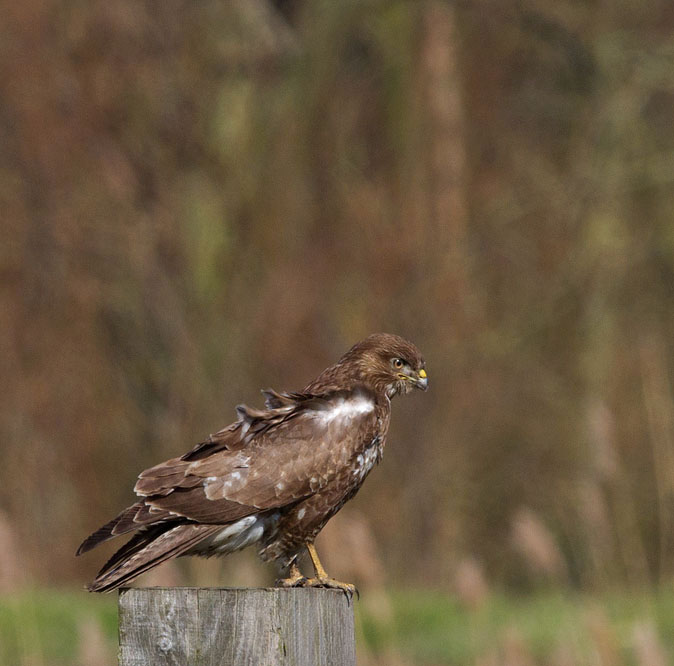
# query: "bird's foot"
[[349, 589], [323, 580], [292, 581]]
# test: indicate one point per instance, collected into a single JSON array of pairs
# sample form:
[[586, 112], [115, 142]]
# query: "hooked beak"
[[421, 381]]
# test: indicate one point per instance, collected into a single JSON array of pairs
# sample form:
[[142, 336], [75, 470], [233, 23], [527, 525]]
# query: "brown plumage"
[[272, 478]]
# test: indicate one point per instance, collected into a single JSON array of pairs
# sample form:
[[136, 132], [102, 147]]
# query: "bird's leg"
[[321, 574], [323, 580], [294, 579]]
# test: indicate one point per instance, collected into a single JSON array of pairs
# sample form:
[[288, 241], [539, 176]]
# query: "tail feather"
[[137, 542], [99, 536], [132, 518], [146, 550]]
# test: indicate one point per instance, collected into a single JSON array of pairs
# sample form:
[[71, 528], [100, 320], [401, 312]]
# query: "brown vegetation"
[[203, 199]]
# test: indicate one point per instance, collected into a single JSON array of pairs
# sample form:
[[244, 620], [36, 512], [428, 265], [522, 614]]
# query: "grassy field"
[[46, 627], [547, 628], [65, 627]]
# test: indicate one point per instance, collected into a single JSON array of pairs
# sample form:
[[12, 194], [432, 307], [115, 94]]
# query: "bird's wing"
[[271, 458]]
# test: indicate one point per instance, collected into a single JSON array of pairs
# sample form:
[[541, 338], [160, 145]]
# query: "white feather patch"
[[346, 409], [240, 534], [233, 530], [366, 461]]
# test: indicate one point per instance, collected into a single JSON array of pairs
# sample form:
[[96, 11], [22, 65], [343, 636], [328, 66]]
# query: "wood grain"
[[229, 626]]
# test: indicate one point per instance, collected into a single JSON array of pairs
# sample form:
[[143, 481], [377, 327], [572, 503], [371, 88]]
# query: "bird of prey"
[[274, 477]]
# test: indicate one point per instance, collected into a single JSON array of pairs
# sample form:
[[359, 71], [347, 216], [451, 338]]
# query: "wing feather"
[[298, 456], [291, 452], [268, 459], [194, 505]]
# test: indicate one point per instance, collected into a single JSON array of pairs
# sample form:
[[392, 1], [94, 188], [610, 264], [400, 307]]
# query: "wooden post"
[[181, 626]]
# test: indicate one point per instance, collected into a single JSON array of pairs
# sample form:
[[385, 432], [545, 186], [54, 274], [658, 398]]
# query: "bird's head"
[[388, 363]]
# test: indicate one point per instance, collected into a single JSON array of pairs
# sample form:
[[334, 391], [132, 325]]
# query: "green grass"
[[431, 628], [47, 627]]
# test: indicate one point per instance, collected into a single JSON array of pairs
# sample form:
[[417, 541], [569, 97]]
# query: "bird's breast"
[[366, 460]]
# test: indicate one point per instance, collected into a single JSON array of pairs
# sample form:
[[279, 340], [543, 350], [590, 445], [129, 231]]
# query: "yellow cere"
[[422, 373]]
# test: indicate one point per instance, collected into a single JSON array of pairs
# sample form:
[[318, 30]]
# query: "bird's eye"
[[398, 363]]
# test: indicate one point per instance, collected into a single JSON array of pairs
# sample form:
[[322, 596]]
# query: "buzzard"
[[274, 477]]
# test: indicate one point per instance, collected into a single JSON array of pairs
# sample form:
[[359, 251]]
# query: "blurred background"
[[202, 199]]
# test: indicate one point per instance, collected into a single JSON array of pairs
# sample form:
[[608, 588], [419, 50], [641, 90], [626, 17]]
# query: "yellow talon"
[[294, 579], [323, 580]]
